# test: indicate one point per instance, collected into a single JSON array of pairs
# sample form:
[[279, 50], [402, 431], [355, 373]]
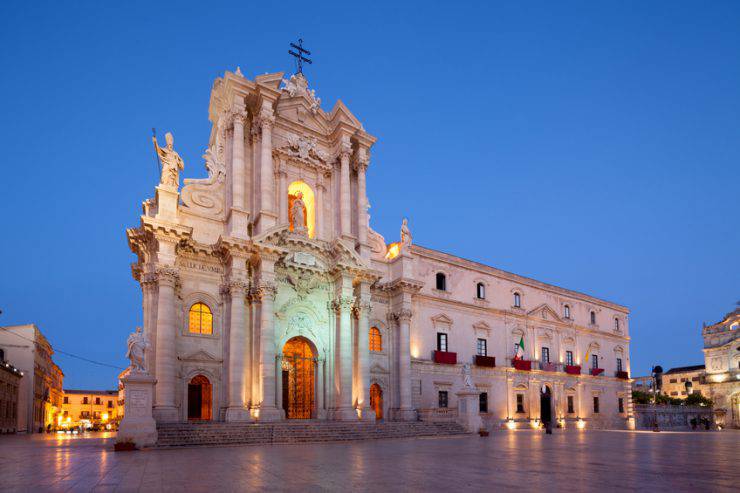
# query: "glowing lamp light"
[[580, 424], [535, 423], [393, 250], [105, 416], [69, 419], [414, 351], [510, 424]]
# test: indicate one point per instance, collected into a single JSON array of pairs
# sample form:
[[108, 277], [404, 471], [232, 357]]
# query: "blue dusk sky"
[[591, 145]]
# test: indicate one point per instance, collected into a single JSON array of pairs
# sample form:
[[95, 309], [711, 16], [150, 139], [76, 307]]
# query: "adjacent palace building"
[[267, 296]]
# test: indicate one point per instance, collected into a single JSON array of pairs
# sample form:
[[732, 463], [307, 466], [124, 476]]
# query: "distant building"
[[10, 380], [40, 389], [675, 379], [95, 406], [722, 359]]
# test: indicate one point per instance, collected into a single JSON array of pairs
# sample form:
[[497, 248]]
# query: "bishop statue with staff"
[[170, 161]]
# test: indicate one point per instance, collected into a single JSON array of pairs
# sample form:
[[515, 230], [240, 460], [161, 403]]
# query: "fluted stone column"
[[344, 192], [320, 193], [238, 349], [363, 353], [283, 192], [165, 409], [267, 177], [238, 217], [362, 199], [403, 319], [149, 304], [343, 409], [267, 409]]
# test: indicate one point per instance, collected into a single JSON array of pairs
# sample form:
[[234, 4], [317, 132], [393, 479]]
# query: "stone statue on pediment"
[[137, 345], [170, 161], [405, 233]]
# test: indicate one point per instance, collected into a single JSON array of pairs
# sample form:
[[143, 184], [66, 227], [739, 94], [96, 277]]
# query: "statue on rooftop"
[[170, 161], [405, 233]]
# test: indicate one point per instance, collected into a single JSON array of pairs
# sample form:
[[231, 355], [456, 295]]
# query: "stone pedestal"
[[138, 424], [167, 198], [468, 414]]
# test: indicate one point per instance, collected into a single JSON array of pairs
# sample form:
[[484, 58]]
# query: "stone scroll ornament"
[[206, 195], [170, 161], [467, 376], [137, 345]]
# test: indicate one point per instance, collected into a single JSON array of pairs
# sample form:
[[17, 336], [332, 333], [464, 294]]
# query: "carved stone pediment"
[[545, 312], [200, 356]]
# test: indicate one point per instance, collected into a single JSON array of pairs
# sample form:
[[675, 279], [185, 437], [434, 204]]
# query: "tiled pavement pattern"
[[506, 461]]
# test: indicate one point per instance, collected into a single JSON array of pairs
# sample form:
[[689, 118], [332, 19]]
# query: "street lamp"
[[688, 386], [657, 373]]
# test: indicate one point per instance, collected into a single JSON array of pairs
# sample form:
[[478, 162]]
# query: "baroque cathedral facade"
[[267, 296]]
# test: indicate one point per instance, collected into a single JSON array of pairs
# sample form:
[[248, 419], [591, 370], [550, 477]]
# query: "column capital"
[[342, 303], [237, 116], [362, 309], [167, 275], [264, 292], [402, 316], [266, 118], [236, 287]]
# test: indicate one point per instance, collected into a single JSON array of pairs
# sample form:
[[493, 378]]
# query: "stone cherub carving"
[[298, 211], [137, 345], [405, 233], [467, 376], [170, 160]]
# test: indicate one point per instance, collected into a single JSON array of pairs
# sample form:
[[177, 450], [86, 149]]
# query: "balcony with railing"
[[622, 374], [522, 364], [596, 371], [445, 357], [572, 369], [548, 366], [487, 361]]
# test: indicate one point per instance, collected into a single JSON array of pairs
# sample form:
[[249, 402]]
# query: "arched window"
[[201, 319], [593, 317], [376, 339], [566, 311], [480, 291], [517, 300], [441, 281]]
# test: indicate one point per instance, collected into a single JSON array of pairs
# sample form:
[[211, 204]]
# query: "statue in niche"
[[298, 213], [405, 233], [467, 376], [137, 345], [170, 160]]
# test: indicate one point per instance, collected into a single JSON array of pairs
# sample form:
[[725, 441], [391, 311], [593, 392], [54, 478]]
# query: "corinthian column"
[[238, 349], [343, 410], [361, 198], [238, 217], [267, 410], [344, 194], [164, 399], [267, 177], [320, 194], [363, 352], [403, 319]]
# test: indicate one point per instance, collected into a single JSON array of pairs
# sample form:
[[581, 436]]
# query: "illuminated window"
[[441, 281], [201, 319], [376, 339], [480, 291], [566, 311], [593, 317], [517, 300]]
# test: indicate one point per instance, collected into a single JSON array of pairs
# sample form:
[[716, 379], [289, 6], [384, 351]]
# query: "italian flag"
[[519, 349]]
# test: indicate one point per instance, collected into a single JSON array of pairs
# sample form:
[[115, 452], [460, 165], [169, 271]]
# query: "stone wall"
[[669, 417]]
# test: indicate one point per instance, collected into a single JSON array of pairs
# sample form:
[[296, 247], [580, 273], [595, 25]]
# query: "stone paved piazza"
[[565, 461]]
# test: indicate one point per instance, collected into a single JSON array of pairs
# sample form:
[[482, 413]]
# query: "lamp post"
[[688, 386], [657, 373]]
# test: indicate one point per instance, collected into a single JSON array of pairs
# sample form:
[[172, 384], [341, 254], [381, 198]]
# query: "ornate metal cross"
[[299, 58]]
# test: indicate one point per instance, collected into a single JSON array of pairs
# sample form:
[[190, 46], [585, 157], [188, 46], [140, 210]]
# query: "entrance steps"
[[297, 431]]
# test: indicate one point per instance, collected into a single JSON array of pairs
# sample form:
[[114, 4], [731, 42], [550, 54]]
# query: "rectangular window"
[[569, 358], [97, 401], [84, 400], [517, 300], [695, 379], [520, 403], [96, 414], [482, 347], [481, 291], [595, 361], [596, 405], [545, 354], [620, 403], [619, 364], [441, 342], [110, 404], [673, 380], [66, 399], [571, 409], [443, 398], [483, 399]]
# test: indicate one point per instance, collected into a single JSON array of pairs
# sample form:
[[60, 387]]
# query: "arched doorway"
[[299, 379], [200, 394], [546, 405], [376, 400]]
